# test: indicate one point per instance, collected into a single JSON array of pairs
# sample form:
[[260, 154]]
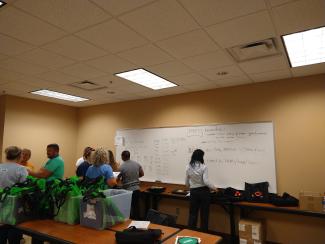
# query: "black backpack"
[[133, 235], [258, 192], [234, 195]]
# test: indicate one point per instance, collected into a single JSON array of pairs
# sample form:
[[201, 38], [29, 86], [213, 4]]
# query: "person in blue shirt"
[[83, 167], [99, 159]]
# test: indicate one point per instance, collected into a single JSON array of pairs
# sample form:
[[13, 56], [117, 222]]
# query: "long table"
[[55, 232], [152, 201]]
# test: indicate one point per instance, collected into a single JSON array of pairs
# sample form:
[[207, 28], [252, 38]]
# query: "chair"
[[157, 217]]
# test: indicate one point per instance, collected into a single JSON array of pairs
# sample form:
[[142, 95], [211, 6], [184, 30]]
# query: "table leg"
[[232, 224]]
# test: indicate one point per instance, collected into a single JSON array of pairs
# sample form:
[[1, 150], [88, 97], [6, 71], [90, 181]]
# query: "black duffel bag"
[[132, 235], [257, 192], [286, 200]]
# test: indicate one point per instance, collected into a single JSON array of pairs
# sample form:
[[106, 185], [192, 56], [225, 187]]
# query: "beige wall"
[[297, 108], [35, 124], [2, 120]]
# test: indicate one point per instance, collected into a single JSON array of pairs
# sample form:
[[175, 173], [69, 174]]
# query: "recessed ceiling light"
[[2, 3], [147, 79], [306, 47], [59, 95]]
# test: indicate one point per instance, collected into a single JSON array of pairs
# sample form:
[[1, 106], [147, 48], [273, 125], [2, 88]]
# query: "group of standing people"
[[100, 162]]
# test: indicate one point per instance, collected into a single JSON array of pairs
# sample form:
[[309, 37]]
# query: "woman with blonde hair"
[[112, 162], [99, 159]]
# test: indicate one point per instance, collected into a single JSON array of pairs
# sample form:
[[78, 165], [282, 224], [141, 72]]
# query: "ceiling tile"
[[75, 91], [251, 28], [35, 81], [210, 11], [232, 71], [150, 94], [279, 2], [58, 77], [75, 48], [111, 81], [118, 7], [2, 56], [129, 97], [82, 71], [159, 20], [260, 65], [18, 86], [27, 28], [11, 46], [170, 69], [112, 36], [111, 64], [7, 75], [22, 67], [308, 70], [209, 61], [146, 55], [202, 86], [70, 15], [188, 79], [233, 81], [271, 75], [299, 15], [45, 58], [189, 44]]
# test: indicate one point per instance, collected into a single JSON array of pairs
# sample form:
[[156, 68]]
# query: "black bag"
[[286, 200], [258, 192], [161, 218], [234, 195], [133, 235]]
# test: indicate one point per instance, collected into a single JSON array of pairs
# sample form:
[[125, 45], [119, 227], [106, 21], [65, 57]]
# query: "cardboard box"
[[311, 201], [249, 241], [252, 230]]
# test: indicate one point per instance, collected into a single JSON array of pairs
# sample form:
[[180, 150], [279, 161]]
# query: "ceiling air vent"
[[259, 49], [87, 85]]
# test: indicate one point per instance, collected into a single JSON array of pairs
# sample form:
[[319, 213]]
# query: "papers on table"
[[140, 224]]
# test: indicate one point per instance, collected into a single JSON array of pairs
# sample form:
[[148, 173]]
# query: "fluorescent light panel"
[[59, 95], [147, 79], [305, 48]]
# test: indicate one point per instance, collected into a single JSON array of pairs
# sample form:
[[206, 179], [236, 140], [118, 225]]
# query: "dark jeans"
[[10, 234], [199, 200], [135, 206]]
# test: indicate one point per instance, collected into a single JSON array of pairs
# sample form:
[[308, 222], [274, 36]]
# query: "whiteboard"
[[234, 153]]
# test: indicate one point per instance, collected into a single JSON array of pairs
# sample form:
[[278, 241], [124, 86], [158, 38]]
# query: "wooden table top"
[[205, 238], [167, 231], [69, 233]]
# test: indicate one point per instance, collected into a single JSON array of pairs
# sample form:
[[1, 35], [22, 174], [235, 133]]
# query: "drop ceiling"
[[51, 44]]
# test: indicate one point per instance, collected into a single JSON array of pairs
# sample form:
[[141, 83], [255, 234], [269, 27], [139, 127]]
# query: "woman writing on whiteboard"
[[197, 180]]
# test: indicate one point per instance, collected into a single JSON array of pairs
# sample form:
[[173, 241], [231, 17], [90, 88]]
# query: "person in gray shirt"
[[130, 172], [11, 173]]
